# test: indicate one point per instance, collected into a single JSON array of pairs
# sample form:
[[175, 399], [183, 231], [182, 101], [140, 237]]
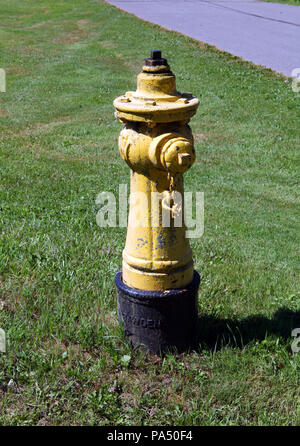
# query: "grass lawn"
[[67, 361], [284, 2]]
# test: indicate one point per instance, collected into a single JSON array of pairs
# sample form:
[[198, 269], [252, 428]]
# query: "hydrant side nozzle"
[[172, 152], [178, 155]]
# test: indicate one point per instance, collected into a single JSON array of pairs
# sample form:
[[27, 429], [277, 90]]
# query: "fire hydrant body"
[[157, 288]]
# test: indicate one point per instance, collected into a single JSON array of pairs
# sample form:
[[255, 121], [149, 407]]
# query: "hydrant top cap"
[[156, 54], [156, 98], [156, 62]]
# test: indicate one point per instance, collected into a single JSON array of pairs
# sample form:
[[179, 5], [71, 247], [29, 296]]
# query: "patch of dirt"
[[16, 71], [75, 35], [45, 125], [3, 113], [33, 49], [7, 302], [81, 23], [45, 9], [67, 39], [213, 137], [38, 25]]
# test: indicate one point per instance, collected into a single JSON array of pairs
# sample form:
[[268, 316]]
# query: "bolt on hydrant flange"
[[157, 287]]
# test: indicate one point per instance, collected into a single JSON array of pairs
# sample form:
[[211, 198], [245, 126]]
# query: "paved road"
[[267, 34]]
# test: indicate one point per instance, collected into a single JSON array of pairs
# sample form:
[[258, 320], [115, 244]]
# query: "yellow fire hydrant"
[[157, 288]]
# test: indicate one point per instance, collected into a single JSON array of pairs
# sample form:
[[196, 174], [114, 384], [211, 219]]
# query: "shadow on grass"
[[213, 333]]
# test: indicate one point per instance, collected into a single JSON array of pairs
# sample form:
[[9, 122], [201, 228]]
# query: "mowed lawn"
[[66, 360]]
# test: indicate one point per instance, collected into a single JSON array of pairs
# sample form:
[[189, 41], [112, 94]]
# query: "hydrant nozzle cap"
[[156, 64]]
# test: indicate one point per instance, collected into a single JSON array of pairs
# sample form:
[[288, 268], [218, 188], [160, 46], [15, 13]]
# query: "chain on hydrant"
[[157, 144]]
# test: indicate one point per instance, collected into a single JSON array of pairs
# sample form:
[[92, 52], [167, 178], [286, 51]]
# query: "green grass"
[[65, 63], [284, 2]]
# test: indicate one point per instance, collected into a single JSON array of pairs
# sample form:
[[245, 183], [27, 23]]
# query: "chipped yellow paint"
[[157, 144]]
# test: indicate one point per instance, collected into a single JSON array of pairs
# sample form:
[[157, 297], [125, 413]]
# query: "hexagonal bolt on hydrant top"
[[157, 287]]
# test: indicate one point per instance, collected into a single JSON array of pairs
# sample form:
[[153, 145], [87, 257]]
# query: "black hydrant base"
[[159, 321]]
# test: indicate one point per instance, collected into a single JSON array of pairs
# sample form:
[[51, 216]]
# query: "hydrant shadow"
[[213, 333]]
